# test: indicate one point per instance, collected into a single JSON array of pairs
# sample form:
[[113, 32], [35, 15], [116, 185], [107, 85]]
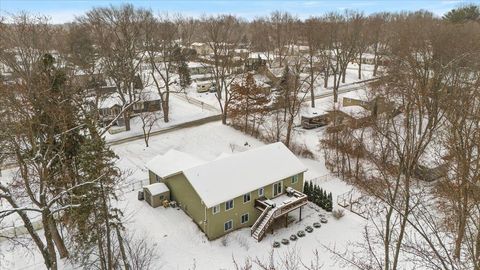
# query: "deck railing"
[[260, 219], [300, 200]]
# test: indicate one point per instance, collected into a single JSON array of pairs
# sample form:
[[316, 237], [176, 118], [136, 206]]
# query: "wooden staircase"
[[270, 213], [263, 222]]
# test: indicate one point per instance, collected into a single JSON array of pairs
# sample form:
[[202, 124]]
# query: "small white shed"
[[156, 193]]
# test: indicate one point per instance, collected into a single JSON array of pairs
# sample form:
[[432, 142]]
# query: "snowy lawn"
[[180, 112], [181, 244]]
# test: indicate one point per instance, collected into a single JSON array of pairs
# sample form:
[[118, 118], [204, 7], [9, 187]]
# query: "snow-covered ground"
[[351, 77], [181, 244], [181, 111]]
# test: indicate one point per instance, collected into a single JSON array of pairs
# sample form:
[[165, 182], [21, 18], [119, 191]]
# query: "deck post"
[[300, 213]]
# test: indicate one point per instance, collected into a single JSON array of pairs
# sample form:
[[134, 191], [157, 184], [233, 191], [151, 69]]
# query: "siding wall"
[[215, 222], [188, 199]]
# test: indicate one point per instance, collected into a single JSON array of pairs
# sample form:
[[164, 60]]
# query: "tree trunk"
[[126, 119], [344, 74], [289, 132], [52, 256], [122, 249], [107, 228], [360, 67], [375, 59], [462, 221], [335, 88], [312, 80], [62, 249], [325, 80], [165, 109]]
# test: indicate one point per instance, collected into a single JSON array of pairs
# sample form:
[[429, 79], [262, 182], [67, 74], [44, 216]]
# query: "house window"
[[277, 189], [228, 205], [261, 191], [294, 179], [228, 225], [246, 198], [244, 218], [138, 106], [216, 209]]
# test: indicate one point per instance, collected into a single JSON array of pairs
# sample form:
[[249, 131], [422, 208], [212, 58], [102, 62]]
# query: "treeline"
[[67, 176], [428, 131]]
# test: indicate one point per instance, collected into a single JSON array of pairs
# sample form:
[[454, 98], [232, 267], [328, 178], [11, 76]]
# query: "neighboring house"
[[110, 106], [356, 112], [369, 59], [249, 189], [197, 68], [314, 117], [254, 63], [201, 48]]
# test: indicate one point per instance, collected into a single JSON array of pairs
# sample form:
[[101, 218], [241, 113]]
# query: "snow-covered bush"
[[338, 213]]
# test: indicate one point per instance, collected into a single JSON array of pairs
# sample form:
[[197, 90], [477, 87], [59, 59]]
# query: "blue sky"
[[65, 10]]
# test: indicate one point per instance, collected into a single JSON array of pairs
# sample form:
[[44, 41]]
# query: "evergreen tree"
[[306, 189], [324, 199], [329, 206], [463, 14], [183, 72]]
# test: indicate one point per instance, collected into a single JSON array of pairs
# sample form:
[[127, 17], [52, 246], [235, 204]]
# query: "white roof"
[[157, 188], [171, 163], [223, 155], [109, 101], [358, 94], [196, 64], [355, 111], [229, 177], [313, 112]]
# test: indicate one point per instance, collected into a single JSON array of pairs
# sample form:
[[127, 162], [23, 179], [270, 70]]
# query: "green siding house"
[[248, 189]]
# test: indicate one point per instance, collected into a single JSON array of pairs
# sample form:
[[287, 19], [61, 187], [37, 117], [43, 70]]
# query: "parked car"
[[203, 88]]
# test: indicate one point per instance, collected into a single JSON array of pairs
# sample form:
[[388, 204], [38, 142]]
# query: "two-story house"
[[248, 189]]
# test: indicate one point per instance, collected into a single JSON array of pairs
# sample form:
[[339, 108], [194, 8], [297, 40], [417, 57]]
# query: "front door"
[[277, 189]]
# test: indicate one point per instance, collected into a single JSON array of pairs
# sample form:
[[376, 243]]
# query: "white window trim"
[[233, 205], [249, 197], [231, 220], [216, 207], [263, 192], [248, 218], [273, 189], [295, 179]]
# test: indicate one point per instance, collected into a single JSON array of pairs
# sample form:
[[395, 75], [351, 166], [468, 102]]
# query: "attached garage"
[[156, 193]]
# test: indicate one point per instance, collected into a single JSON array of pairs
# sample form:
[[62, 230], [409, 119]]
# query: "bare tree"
[[222, 34], [118, 33]]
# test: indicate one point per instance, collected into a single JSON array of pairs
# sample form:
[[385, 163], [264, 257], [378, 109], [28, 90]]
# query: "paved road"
[[193, 123], [342, 89]]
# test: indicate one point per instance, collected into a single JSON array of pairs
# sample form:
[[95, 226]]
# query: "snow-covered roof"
[[223, 155], [229, 177], [360, 94], [109, 102], [149, 95], [196, 64], [157, 188], [355, 111], [172, 162], [262, 55], [196, 44], [312, 112]]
